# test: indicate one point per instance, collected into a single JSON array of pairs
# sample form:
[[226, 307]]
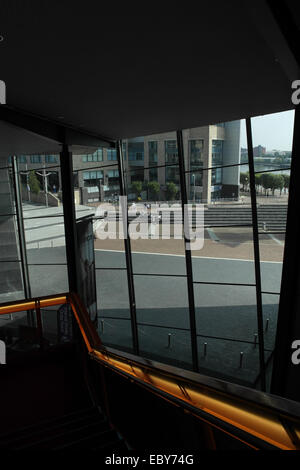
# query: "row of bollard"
[[205, 344]]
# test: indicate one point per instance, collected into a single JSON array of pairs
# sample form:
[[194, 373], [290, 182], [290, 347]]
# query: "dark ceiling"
[[124, 75]]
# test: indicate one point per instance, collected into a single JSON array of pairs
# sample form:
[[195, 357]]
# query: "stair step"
[[65, 436], [14, 436], [98, 440]]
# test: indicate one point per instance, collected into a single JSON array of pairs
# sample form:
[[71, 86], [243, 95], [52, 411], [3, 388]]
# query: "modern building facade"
[[154, 158]]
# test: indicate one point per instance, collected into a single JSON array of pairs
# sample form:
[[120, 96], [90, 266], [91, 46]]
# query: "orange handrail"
[[258, 420]]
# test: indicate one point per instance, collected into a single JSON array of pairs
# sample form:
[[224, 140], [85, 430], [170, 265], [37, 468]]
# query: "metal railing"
[[260, 420]]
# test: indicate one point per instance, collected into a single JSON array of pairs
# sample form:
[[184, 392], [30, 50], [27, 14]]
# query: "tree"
[[244, 180], [171, 191], [266, 181], [257, 181], [286, 182], [137, 187], [34, 183], [277, 183], [153, 188], [270, 181]]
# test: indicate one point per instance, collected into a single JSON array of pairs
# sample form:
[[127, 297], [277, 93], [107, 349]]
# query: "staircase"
[[85, 429], [271, 217], [49, 403]]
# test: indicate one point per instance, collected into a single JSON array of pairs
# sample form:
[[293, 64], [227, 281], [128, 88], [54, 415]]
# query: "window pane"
[[48, 279], [168, 345], [223, 360], [270, 312], [215, 145], [162, 301], [271, 248], [116, 333], [112, 293], [272, 140], [11, 282], [272, 197], [220, 185], [226, 317]]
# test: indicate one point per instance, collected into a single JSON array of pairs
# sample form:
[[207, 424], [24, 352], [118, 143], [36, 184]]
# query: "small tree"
[[34, 183], [171, 191], [153, 188], [137, 187], [286, 182], [257, 181], [244, 180], [278, 183], [266, 181]]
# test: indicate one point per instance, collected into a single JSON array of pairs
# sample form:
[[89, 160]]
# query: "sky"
[[273, 131]]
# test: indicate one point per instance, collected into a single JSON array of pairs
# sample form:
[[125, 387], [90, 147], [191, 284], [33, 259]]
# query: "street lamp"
[[194, 178], [45, 182]]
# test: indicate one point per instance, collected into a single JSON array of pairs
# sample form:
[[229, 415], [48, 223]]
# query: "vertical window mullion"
[[256, 256]]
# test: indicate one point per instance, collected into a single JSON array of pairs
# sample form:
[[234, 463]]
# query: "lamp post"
[[194, 182], [45, 182]]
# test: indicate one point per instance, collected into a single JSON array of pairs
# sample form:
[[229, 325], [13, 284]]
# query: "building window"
[[95, 157], [171, 152], [50, 159], [196, 153], [153, 173], [91, 178], [216, 176], [22, 159], [35, 159], [152, 147], [111, 154], [136, 151], [172, 174], [196, 179], [217, 152]]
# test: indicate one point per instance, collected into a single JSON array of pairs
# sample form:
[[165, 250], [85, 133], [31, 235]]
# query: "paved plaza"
[[225, 314]]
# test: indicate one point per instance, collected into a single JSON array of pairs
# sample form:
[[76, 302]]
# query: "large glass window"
[[36, 159], [171, 151], [195, 153], [153, 155], [136, 151], [95, 157], [217, 152], [111, 154]]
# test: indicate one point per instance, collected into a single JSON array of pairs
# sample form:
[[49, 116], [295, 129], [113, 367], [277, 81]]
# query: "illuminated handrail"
[[248, 415]]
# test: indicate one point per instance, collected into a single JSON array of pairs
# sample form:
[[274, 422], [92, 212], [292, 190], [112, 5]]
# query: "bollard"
[[255, 340], [241, 359], [169, 340], [102, 326], [267, 324], [205, 349]]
